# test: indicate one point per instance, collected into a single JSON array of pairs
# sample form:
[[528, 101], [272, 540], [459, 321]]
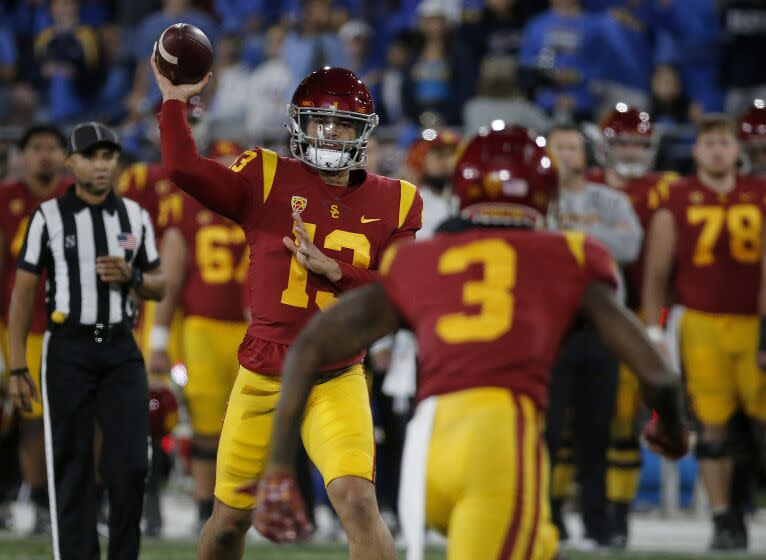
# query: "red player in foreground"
[[489, 298], [342, 219]]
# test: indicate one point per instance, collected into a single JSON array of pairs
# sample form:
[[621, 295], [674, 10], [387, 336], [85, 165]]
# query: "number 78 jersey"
[[353, 225], [489, 306], [718, 248]]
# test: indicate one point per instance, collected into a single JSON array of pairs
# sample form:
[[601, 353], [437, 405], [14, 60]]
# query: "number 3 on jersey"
[[493, 293], [295, 294]]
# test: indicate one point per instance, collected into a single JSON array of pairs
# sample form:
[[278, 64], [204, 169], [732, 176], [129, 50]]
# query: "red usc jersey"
[[718, 251], [147, 184], [16, 205], [489, 306], [351, 224], [646, 194], [217, 258]]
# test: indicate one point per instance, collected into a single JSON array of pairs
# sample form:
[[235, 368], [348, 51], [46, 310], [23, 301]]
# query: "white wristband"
[[655, 333], [158, 338]]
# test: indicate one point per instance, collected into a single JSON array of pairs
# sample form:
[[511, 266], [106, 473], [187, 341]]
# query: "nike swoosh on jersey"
[[368, 220]]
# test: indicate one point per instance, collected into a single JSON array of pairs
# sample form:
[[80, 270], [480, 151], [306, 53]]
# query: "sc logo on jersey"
[[334, 211]]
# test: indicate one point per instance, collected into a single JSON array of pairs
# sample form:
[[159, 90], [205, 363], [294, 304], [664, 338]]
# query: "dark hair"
[[717, 121], [40, 129]]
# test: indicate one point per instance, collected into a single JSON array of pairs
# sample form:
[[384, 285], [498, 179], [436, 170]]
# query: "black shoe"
[[618, 525], [152, 515], [739, 530], [42, 524], [557, 518], [723, 532]]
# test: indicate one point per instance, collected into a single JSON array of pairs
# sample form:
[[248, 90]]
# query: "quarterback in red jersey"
[[704, 246], [316, 225], [43, 151], [205, 260], [486, 300]]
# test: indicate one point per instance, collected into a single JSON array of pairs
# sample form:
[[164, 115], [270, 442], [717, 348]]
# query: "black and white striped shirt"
[[65, 235]]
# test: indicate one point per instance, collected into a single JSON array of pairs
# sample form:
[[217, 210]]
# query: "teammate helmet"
[[163, 412], [752, 123], [504, 175], [752, 132], [626, 141], [325, 99]]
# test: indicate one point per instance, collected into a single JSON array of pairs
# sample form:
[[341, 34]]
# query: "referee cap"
[[89, 135]]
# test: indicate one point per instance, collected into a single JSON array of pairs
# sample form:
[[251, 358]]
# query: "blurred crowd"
[[428, 63]]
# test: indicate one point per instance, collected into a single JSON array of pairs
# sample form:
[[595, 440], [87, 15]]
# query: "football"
[[183, 54]]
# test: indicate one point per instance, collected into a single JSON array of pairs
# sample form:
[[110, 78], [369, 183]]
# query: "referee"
[[97, 249]]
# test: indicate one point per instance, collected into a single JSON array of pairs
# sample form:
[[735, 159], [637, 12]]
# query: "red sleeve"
[[599, 264], [217, 187], [390, 268], [353, 277]]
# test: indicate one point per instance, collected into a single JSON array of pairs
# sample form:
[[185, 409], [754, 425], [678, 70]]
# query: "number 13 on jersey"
[[296, 294]]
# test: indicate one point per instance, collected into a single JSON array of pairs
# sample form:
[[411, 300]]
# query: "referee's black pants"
[[585, 378], [85, 382]]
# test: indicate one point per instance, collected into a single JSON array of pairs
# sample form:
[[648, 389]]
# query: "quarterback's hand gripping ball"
[[280, 514], [663, 443]]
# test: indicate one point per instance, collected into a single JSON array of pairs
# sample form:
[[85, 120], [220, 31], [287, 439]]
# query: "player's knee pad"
[[717, 449], [203, 452]]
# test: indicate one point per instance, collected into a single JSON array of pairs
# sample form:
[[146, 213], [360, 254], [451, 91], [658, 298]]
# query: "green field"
[[34, 549]]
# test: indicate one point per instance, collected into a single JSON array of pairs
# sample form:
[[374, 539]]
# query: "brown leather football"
[[183, 54]]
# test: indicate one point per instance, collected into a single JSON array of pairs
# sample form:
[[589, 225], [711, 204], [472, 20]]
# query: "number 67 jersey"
[[489, 306]]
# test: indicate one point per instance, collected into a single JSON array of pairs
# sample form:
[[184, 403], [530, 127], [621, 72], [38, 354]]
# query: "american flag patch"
[[127, 241]]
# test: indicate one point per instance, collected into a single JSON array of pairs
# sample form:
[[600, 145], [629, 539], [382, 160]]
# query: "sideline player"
[[316, 225], [704, 246], [486, 299], [205, 261], [625, 147], [43, 149]]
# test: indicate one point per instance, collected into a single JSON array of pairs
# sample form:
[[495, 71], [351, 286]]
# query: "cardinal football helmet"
[[752, 132], [625, 141], [505, 175], [326, 100]]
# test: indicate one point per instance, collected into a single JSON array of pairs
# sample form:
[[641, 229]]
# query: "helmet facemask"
[[631, 155], [319, 137]]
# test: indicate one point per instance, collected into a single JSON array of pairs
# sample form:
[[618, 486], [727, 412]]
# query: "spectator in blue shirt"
[[145, 94], [441, 76], [560, 56], [241, 15], [70, 60], [311, 45], [690, 41]]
